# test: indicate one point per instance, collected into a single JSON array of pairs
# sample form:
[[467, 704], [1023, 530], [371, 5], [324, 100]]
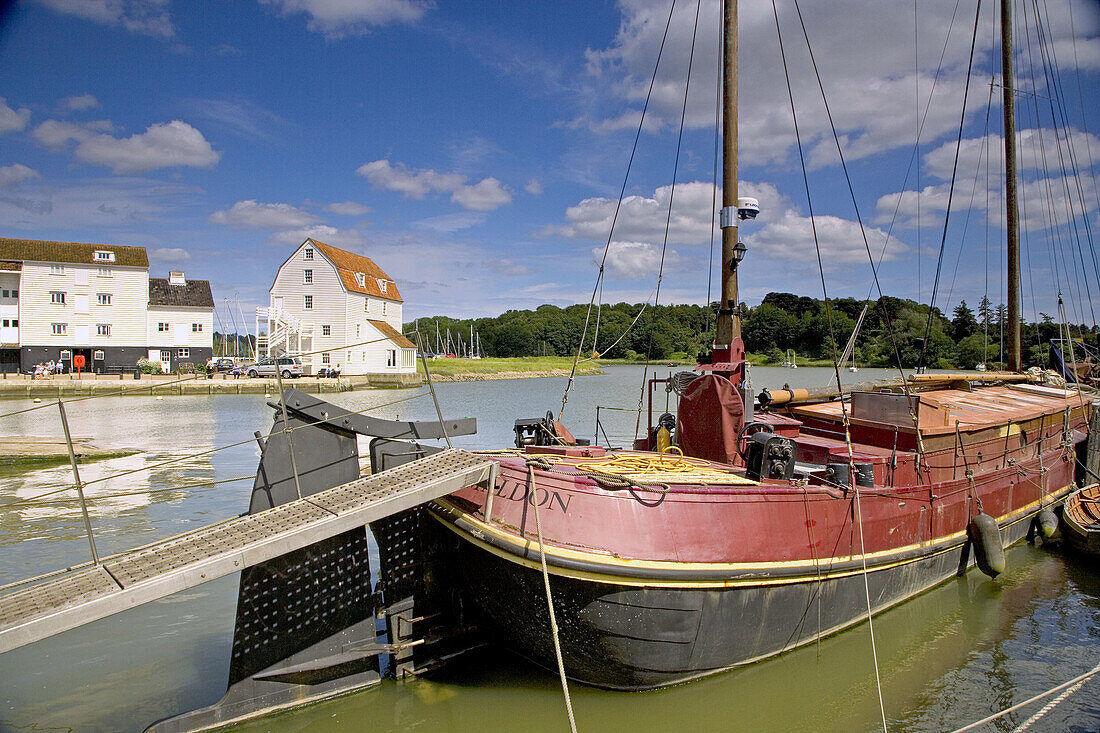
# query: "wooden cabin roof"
[[940, 410]]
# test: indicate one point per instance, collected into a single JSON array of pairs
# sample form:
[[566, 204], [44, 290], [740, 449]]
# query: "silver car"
[[287, 366]]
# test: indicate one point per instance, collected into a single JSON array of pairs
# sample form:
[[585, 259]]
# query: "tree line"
[[893, 329]]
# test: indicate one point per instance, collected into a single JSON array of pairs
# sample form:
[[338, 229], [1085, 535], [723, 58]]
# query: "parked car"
[[223, 364], [288, 366]]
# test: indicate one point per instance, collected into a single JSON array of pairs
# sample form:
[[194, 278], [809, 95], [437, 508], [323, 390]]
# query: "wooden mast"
[[1012, 224], [728, 344]]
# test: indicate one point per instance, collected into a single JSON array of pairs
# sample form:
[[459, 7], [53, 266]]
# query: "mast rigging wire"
[[668, 219], [618, 206], [951, 190]]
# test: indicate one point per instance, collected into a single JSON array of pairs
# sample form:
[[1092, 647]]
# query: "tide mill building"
[[62, 300], [336, 310]]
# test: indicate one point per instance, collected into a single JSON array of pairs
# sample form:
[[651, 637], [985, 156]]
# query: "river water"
[[946, 658]]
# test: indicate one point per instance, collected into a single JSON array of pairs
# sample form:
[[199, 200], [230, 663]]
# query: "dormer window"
[[382, 285], [104, 256], [308, 253], [361, 279]]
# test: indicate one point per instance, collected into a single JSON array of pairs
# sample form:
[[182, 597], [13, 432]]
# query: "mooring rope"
[[1070, 687], [542, 463]]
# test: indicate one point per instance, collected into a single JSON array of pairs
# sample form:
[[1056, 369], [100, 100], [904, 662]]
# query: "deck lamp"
[[739, 250]]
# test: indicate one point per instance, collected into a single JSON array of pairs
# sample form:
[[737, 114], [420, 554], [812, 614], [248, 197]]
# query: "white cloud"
[[642, 218], [533, 187], [251, 214], [1042, 186], [166, 145], [12, 120], [340, 18], [13, 175], [147, 17], [348, 208], [350, 239], [170, 254], [80, 102], [509, 267], [55, 134], [485, 195], [635, 260], [780, 232], [873, 104], [789, 237]]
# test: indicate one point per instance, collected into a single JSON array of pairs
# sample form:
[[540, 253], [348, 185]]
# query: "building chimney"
[[175, 277]]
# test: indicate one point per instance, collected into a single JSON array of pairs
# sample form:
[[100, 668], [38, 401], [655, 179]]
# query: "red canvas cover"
[[710, 415]]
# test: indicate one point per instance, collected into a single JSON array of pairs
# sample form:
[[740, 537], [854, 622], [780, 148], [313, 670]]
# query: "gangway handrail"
[[80, 596]]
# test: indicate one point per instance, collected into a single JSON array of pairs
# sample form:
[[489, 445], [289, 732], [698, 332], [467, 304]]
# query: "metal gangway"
[[86, 593], [311, 619]]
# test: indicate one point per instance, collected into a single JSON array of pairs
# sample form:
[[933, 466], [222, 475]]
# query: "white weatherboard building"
[[181, 320], [64, 300], [338, 310]]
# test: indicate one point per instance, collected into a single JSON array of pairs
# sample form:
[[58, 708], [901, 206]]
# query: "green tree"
[[963, 322]]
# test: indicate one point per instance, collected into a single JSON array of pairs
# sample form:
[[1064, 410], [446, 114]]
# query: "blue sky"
[[475, 149]]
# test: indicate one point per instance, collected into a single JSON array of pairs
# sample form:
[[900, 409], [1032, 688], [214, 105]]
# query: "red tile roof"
[[392, 334], [348, 263]]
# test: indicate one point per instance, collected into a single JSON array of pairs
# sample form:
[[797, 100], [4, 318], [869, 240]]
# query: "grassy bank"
[[462, 370]]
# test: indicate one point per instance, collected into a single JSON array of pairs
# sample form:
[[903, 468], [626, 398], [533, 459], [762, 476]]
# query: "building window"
[[382, 285], [308, 277], [103, 329], [103, 298], [59, 329], [183, 353], [385, 309], [15, 323], [101, 256], [309, 302], [309, 253], [57, 296], [356, 330], [361, 279], [196, 328], [366, 305], [391, 357], [15, 293], [6, 292], [325, 359], [97, 355], [326, 330], [57, 269], [407, 357], [6, 323], [104, 272], [163, 327]]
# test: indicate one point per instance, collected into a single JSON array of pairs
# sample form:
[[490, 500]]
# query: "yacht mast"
[[728, 328], [1011, 204]]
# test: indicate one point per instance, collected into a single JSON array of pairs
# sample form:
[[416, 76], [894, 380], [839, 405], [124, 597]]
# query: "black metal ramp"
[[73, 598]]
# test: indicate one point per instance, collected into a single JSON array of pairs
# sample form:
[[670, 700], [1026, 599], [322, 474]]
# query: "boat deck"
[[77, 596]]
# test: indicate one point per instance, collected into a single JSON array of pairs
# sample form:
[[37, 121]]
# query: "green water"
[[946, 658]]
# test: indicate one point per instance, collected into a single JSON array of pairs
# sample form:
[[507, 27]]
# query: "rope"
[[1074, 683], [531, 463]]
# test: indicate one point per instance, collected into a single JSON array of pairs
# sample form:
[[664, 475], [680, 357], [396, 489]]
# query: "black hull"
[[635, 638]]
